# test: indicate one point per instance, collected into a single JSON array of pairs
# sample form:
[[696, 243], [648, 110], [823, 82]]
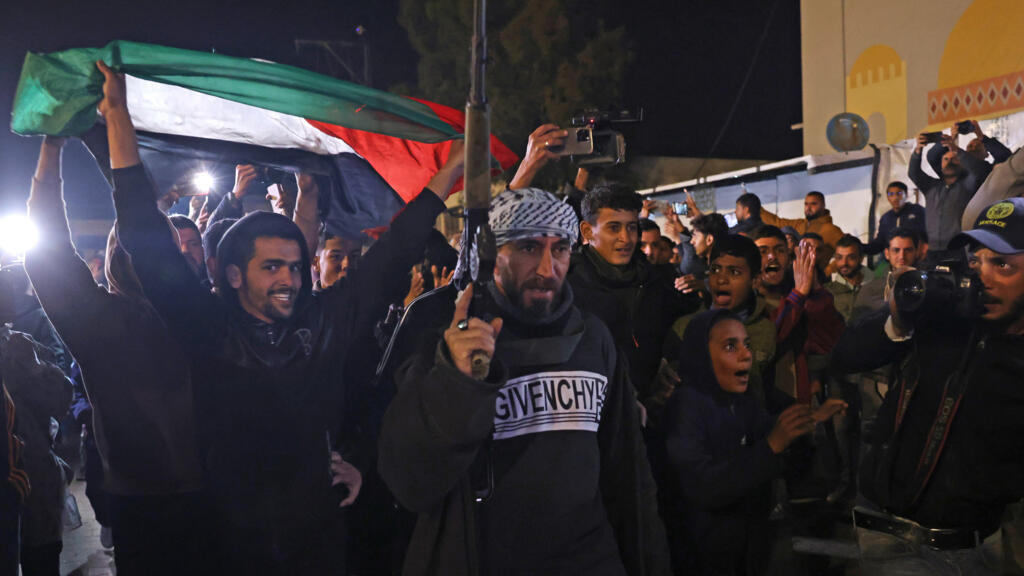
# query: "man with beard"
[[945, 197], [539, 466], [817, 220], [855, 292], [946, 453], [980, 147], [268, 357]]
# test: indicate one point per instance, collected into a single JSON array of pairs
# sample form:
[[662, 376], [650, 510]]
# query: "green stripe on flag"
[[58, 92]]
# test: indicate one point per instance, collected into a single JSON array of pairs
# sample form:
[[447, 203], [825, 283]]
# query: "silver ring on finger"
[[463, 324]]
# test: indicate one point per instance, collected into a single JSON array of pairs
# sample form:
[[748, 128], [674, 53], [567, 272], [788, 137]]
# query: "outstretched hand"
[[466, 336], [804, 275], [791, 424]]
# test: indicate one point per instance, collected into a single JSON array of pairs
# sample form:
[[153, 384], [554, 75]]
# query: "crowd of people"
[[263, 397]]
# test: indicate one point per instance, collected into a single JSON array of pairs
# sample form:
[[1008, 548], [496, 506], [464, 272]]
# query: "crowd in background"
[[260, 396]]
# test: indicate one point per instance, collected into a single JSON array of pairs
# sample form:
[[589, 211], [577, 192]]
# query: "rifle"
[[478, 235]]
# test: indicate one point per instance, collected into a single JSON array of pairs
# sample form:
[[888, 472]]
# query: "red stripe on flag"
[[408, 166]]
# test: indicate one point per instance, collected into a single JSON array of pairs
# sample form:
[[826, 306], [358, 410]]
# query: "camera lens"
[[583, 135]]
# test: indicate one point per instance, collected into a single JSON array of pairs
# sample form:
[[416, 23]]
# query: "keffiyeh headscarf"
[[531, 213], [523, 213]]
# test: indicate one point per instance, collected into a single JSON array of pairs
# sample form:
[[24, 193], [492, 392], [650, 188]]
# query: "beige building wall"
[[933, 40]]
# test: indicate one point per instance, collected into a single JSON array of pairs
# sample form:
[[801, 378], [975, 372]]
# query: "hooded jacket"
[[272, 397], [136, 375], [721, 466], [567, 494]]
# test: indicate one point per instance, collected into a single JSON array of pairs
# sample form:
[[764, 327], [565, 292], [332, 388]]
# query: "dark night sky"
[[690, 58]]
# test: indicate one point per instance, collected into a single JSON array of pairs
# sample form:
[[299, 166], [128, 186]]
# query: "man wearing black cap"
[[946, 453]]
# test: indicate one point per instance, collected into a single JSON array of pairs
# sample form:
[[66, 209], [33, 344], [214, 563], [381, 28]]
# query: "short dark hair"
[[182, 222], [769, 231], [214, 232], [713, 224], [751, 202], [668, 242], [817, 195], [614, 196], [812, 236], [740, 247], [849, 240], [896, 184], [904, 232], [647, 224]]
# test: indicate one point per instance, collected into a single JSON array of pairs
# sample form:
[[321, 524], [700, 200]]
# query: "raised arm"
[[173, 288], [800, 224], [923, 181], [934, 158], [382, 276], [307, 206], [61, 279]]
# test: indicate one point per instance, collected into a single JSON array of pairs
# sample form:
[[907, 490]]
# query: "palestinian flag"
[[203, 111]]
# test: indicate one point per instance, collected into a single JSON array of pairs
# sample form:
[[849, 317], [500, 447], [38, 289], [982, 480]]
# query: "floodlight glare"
[[203, 181], [17, 234]]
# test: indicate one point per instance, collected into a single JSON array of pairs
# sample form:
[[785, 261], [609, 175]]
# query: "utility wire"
[[739, 94]]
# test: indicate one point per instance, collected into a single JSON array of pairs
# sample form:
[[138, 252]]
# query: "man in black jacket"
[[267, 357], [637, 301], [946, 452], [537, 468]]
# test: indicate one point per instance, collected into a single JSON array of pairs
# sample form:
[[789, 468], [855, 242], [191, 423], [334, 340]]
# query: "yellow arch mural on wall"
[[981, 74], [877, 84]]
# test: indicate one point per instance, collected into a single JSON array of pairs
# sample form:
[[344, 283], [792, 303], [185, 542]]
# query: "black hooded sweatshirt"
[[570, 490], [271, 397], [720, 464]]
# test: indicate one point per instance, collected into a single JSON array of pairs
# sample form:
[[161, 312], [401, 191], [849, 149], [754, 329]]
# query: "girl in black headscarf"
[[723, 450]]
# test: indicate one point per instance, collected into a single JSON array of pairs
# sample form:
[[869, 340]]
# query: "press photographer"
[[945, 456]]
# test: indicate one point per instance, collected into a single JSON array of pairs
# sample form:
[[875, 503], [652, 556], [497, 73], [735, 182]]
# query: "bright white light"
[[203, 181], [17, 234]]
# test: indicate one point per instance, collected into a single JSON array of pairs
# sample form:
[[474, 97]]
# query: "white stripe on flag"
[[167, 109]]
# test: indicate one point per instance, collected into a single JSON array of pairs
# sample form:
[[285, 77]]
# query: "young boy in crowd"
[[734, 264]]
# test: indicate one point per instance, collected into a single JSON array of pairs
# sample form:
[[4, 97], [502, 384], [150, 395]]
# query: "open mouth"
[[772, 268]]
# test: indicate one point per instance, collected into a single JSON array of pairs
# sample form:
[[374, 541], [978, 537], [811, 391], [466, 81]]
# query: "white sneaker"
[[106, 537]]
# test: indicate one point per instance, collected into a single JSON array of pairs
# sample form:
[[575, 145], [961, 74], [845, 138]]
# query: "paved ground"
[[83, 555]]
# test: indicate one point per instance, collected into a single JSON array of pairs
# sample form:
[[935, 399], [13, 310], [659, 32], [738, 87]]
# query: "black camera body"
[[965, 127], [594, 135], [949, 288], [265, 176]]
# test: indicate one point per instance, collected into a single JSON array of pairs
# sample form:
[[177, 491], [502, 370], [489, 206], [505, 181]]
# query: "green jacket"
[[855, 301]]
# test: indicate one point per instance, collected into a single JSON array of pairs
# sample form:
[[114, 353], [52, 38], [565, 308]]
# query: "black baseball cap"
[[1000, 228]]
